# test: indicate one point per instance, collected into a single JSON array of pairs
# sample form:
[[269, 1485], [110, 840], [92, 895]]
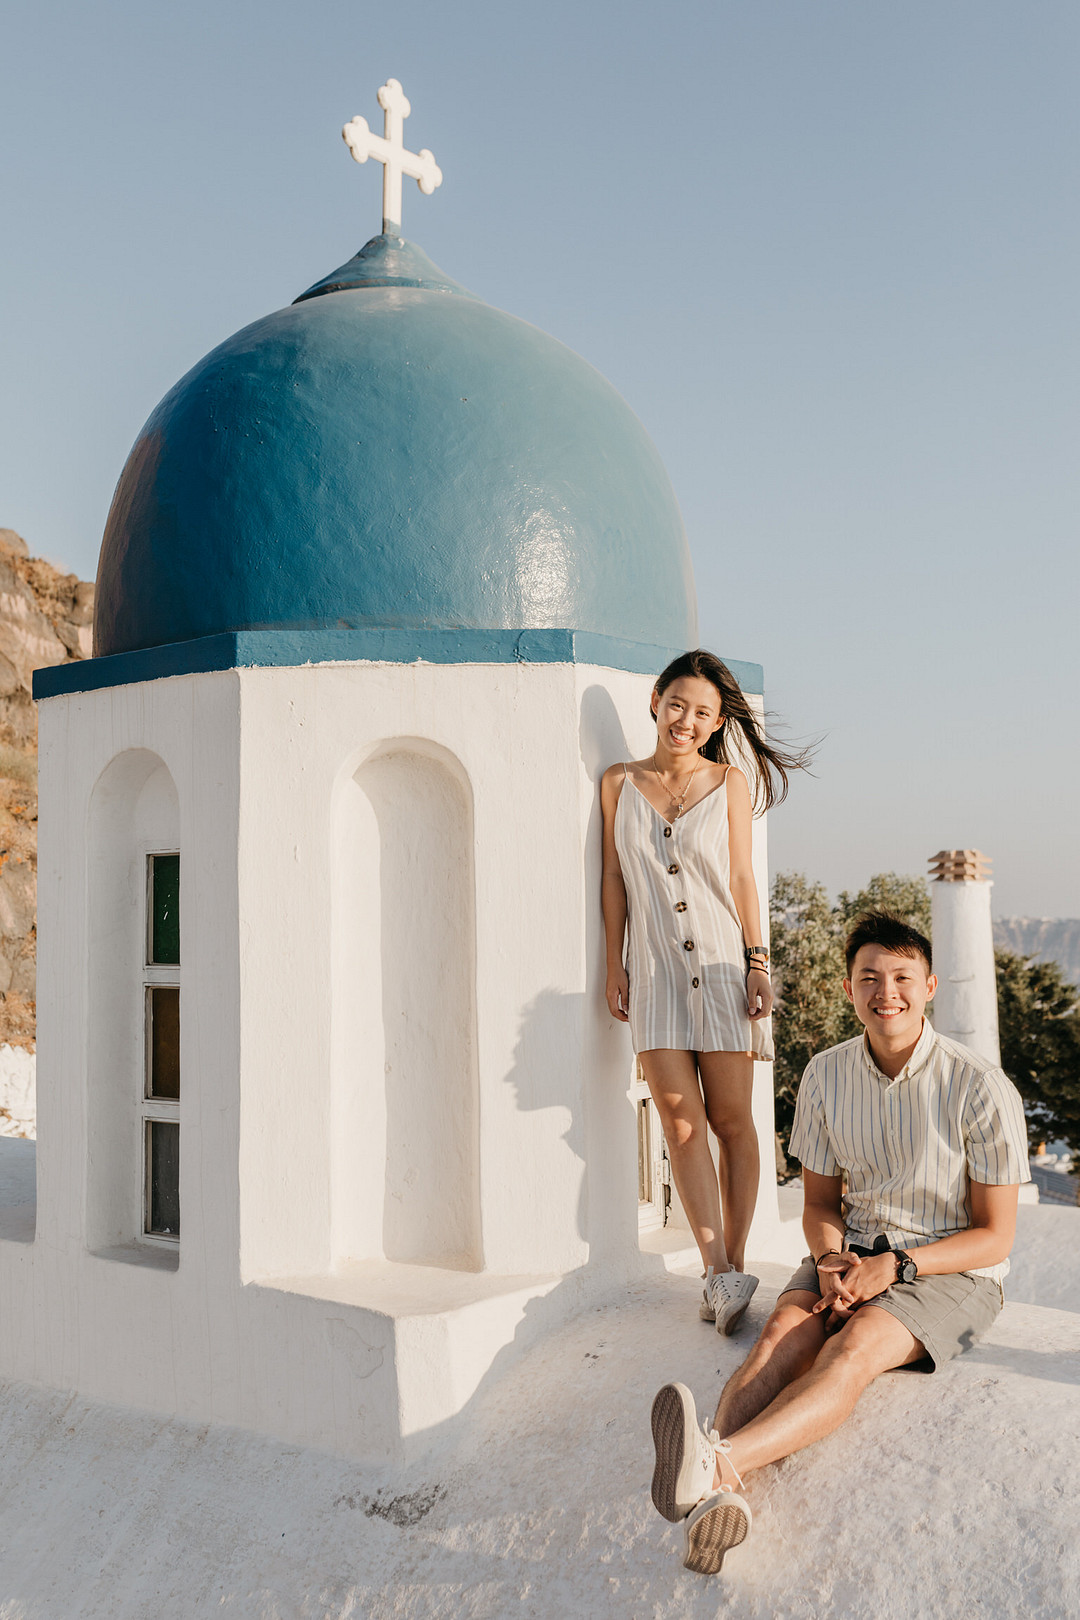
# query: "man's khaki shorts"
[[946, 1314]]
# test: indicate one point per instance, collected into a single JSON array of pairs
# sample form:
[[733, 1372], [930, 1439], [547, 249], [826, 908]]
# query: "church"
[[333, 1119]]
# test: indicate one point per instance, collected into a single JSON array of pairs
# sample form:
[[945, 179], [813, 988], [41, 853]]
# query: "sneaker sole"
[[713, 1529], [672, 1413]]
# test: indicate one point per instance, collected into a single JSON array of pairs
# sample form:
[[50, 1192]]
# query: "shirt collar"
[[920, 1056]]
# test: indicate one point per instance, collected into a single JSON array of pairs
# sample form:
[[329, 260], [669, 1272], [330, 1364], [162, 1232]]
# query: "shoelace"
[[723, 1279], [717, 1444]]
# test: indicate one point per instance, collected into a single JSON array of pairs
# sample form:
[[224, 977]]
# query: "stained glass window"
[[164, 928], [161, 1082], [162, 1178], [163, 1042]]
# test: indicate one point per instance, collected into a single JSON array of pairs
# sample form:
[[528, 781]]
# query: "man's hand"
[[858, 1279], [831, 1275]]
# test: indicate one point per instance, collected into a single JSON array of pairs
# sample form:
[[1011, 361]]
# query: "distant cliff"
[[45, 618], [1050, 939]]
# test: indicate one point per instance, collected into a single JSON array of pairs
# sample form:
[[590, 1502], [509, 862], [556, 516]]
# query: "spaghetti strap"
[[624, 770]]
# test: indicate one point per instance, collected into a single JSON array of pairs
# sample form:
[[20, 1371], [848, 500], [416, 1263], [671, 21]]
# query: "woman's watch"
[[906, 1269], [759, 951]]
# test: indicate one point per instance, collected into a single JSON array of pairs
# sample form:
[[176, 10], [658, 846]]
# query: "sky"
[[828, 253]]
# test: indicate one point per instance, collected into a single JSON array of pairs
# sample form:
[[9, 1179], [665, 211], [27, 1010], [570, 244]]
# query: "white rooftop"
[[947, 1495]]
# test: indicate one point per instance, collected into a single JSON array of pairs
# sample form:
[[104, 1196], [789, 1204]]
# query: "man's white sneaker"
[[726, 1296], [685, 1458], [715, 1526]]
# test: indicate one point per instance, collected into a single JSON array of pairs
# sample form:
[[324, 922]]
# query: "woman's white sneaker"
[[726, 1296]]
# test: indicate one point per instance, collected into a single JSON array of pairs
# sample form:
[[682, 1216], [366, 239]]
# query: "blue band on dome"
[[379, 645]]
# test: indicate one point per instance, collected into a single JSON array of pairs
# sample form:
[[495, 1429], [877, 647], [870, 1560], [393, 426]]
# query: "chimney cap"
[[960, 866]]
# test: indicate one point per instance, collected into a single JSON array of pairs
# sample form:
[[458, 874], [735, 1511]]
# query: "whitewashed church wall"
[[515, 732], [162, 759], [404, 1108], [273, 772], [553, 1072]]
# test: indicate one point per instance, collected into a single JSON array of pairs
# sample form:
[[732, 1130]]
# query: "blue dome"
[[389, 451]]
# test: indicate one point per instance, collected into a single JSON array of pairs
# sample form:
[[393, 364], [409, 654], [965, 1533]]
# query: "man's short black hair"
[[892, 933]]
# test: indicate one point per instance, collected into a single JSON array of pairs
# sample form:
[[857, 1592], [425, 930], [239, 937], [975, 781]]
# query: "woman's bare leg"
[[672, 1078], [727, 1080]]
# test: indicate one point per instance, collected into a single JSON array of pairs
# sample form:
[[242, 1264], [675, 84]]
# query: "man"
[[906, 1257]]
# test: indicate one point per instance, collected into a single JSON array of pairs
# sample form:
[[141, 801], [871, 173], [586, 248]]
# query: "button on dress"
[[685, 943]]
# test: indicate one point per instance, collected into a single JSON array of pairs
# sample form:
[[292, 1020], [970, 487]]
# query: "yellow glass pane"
[[163, 1038]]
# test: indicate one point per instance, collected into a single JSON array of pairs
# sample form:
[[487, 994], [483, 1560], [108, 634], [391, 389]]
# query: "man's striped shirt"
[[908, 1147]]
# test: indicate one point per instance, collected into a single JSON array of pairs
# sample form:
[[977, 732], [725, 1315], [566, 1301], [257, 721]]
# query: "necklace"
[[678, 802]]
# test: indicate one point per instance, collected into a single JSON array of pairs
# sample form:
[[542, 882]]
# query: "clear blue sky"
[[828, 252]]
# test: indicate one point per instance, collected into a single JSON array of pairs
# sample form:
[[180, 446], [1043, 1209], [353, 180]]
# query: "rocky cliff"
[[45, 618]]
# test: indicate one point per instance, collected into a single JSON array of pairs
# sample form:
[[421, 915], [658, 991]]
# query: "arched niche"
[[134, 813], [405, 1125]]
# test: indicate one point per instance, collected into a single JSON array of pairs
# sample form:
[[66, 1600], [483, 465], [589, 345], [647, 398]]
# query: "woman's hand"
[[759, 994], [618, 994]]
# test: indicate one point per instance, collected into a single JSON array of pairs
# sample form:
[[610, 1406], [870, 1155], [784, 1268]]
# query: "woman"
[[679, 892]]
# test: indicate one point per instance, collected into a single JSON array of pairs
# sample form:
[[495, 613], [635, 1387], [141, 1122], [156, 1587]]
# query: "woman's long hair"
[[773, 764]]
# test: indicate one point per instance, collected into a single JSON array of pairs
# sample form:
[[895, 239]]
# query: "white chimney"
[[965, 1007]]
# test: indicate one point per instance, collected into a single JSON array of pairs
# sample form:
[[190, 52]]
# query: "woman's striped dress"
[[685, 954]]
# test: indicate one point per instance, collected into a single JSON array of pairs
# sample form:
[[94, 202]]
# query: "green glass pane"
[[163, 1038], [165, 909], [162, 1178]]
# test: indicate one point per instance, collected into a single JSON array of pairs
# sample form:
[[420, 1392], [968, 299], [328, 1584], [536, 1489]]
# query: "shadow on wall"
[[564, 1036], [537, 1078]]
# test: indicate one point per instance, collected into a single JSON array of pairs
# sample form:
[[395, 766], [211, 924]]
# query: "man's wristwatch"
[[906, 1269]]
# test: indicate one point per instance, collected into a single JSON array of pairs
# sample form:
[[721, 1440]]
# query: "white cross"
[[389, 150]]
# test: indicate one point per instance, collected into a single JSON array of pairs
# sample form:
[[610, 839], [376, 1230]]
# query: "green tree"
[[1039, 1026], [906, 897], [807, 970]]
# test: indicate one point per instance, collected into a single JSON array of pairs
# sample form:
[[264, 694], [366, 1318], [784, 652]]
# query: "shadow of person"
[[544, 1056]]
